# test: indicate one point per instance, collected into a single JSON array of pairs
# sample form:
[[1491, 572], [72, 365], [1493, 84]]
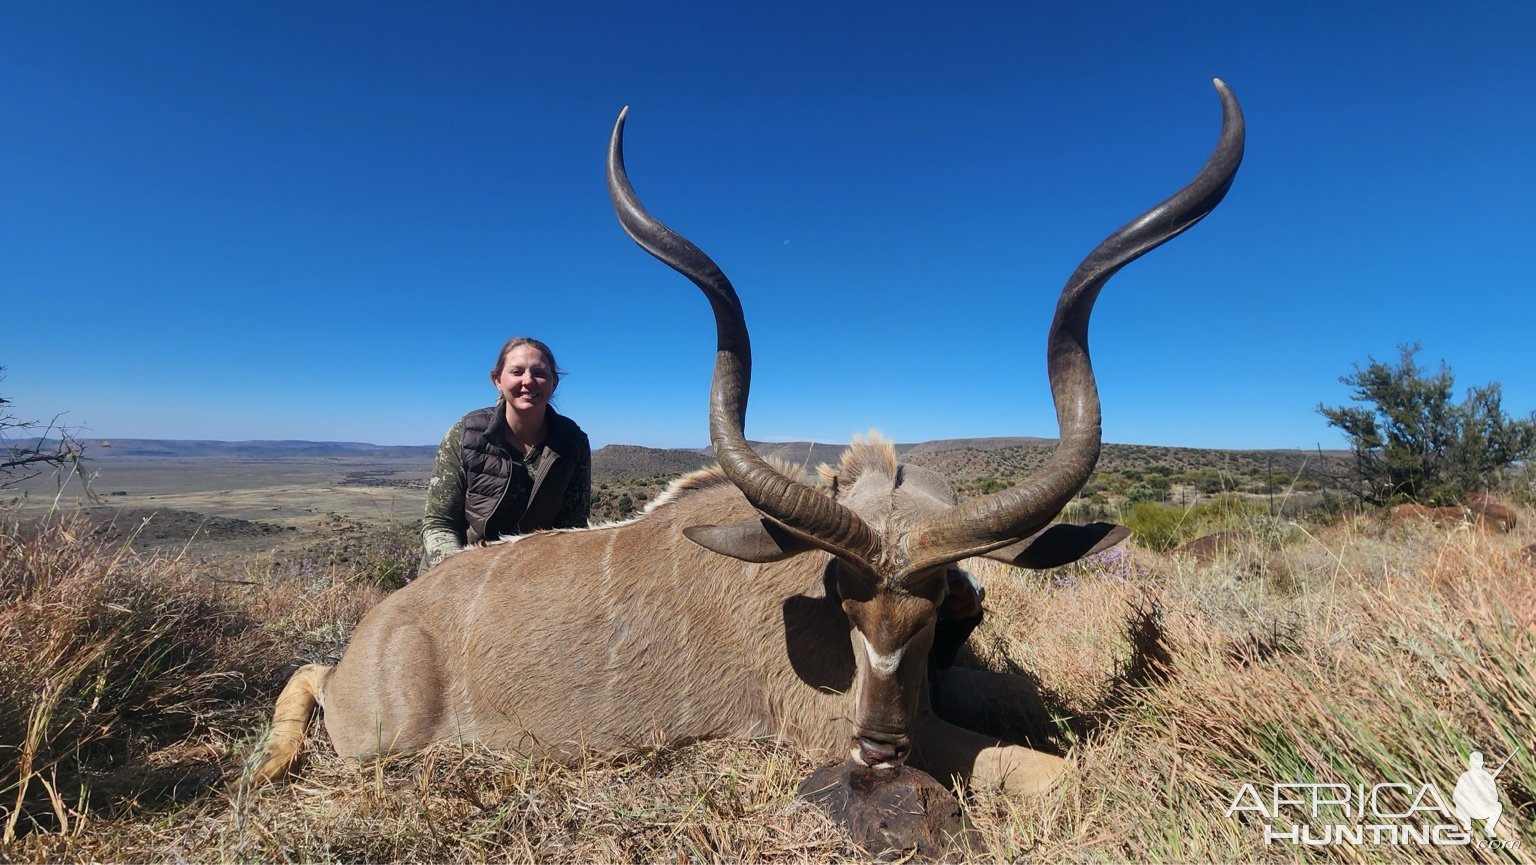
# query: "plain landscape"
[[222, 500]]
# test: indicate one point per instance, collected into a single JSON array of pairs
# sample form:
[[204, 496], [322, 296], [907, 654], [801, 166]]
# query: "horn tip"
[[615, 143], [1227, 97]]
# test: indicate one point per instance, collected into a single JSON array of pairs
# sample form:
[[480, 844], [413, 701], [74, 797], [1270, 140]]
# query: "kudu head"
[[895, 533]]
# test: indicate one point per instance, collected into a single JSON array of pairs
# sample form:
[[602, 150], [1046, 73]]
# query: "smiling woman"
[[511, 468]]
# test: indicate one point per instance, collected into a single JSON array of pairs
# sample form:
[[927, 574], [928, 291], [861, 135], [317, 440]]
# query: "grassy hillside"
[[133, 689], [626, 476], [632, 462]]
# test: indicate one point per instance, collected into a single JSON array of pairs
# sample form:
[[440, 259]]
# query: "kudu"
[[745, 601]]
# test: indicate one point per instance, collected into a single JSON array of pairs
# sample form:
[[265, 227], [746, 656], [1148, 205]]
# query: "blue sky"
[[286, 220]]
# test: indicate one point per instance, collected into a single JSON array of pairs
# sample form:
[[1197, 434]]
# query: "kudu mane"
[[859, 458]]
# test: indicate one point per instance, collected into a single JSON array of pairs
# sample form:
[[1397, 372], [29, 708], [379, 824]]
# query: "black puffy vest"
[[488, 467]]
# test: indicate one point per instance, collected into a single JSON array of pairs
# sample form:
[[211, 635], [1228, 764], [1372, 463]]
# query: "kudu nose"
[[879, 752]]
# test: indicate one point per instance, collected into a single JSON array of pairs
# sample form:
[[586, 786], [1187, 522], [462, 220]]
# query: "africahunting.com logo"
[[1387, 814]]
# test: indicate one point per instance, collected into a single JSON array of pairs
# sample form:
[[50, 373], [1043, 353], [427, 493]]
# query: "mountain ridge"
[[959, 458]]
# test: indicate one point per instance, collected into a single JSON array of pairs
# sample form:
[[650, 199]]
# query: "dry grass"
[[1356, 655], [113, 671], [1362, 655]]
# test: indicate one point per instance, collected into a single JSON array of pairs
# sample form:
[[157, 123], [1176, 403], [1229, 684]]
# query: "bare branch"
[[57, 446]]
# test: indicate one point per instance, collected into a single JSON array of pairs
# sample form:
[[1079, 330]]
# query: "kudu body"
[[746, 601]]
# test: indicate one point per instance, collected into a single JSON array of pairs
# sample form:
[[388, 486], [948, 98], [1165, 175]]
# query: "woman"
[[510, 469]]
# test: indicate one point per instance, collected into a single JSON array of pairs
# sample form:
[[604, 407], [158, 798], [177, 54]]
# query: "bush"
[[1155, 526], [1412, 442], [1162, 527], [1146, 491], [983, 486], [1210, 481]]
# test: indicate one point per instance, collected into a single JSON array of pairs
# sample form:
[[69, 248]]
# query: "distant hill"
[[615, 462], [815, 453], [960, 459], [807, 454], [981, 444], [107, 449], [626, 477]]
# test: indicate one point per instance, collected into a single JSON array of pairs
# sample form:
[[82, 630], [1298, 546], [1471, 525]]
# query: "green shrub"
[[1155, 526], [983, 486], [1162, 527], [1209, 481], [1227, 512], [1413, 442], [1088, 510]]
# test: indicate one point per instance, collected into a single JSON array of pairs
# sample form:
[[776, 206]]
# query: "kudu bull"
[[745, 601]]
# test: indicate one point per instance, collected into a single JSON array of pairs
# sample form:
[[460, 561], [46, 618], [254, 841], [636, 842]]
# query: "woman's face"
[[526, 382]]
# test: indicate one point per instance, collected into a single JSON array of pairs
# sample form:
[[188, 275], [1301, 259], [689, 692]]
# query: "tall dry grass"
[[1362, 655], [126, 679], [110, 667], [1357, 654]]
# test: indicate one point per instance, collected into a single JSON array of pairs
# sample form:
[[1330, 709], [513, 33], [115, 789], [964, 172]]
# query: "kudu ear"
[[1060, 544], [759, 541]]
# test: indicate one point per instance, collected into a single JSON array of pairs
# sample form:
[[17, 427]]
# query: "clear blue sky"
[[306, 220]]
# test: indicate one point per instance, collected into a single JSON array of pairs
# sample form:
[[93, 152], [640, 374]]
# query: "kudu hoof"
[[900, 811]]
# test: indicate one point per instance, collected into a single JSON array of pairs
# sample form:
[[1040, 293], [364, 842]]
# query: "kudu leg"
[[950, 752]]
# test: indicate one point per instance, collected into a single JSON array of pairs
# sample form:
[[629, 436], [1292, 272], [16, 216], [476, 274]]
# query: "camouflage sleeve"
[[576, 507], [444, 528]]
